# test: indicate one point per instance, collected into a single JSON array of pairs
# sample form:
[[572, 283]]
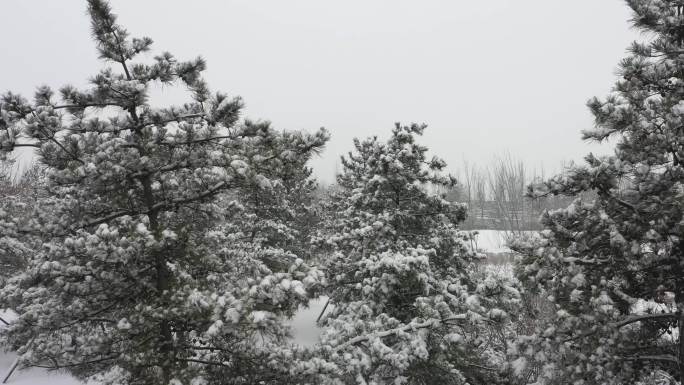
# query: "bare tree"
[[480, 192], [507, 184]]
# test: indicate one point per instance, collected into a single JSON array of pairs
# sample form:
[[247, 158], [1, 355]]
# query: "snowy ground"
[[491, 241]]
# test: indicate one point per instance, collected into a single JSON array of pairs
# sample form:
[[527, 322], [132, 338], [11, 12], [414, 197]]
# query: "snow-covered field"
[[491, 241]]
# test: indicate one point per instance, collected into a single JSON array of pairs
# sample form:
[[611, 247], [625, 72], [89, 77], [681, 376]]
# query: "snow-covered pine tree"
[[405, 304], [136, 281], [614, 265]]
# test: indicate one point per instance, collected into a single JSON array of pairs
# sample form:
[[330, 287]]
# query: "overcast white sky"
[[486, 76]]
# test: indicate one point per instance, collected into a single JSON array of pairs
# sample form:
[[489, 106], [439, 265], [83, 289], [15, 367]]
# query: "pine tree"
[[612, 266], [137, 279], [406, 306]]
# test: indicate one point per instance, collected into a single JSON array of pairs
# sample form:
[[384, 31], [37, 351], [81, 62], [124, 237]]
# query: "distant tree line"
[[496, 195]]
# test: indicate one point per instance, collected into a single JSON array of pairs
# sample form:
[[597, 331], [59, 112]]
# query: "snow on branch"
[[409, 327], [628, 321]]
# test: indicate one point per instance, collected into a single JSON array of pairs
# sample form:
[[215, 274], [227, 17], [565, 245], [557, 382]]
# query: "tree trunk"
[[162, 285]]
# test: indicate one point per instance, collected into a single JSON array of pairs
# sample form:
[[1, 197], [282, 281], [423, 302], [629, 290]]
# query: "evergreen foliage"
[[173, 245], [612, 266], [406, 305], [139, 277]]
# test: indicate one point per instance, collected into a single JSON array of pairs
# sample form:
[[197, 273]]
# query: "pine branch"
[[72, 365], [661, 357], [387, 333], [36, 145], [52, 138], [628, 321], [204, 362], [646, 317], [85, 105], [114, 215], [180, 201]]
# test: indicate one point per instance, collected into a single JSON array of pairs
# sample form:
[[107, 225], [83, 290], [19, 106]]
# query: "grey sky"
[[486, 76]]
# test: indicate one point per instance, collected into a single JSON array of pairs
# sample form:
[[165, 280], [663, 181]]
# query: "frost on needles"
[[613, 266], [409, 303], [139, 273], [173, 245]]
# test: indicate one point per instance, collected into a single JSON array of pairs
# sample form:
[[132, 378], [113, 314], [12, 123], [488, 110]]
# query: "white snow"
[[305, 331], [492, 241], [495, 241]]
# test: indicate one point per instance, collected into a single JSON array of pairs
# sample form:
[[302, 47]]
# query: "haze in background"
[[486, 76]]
